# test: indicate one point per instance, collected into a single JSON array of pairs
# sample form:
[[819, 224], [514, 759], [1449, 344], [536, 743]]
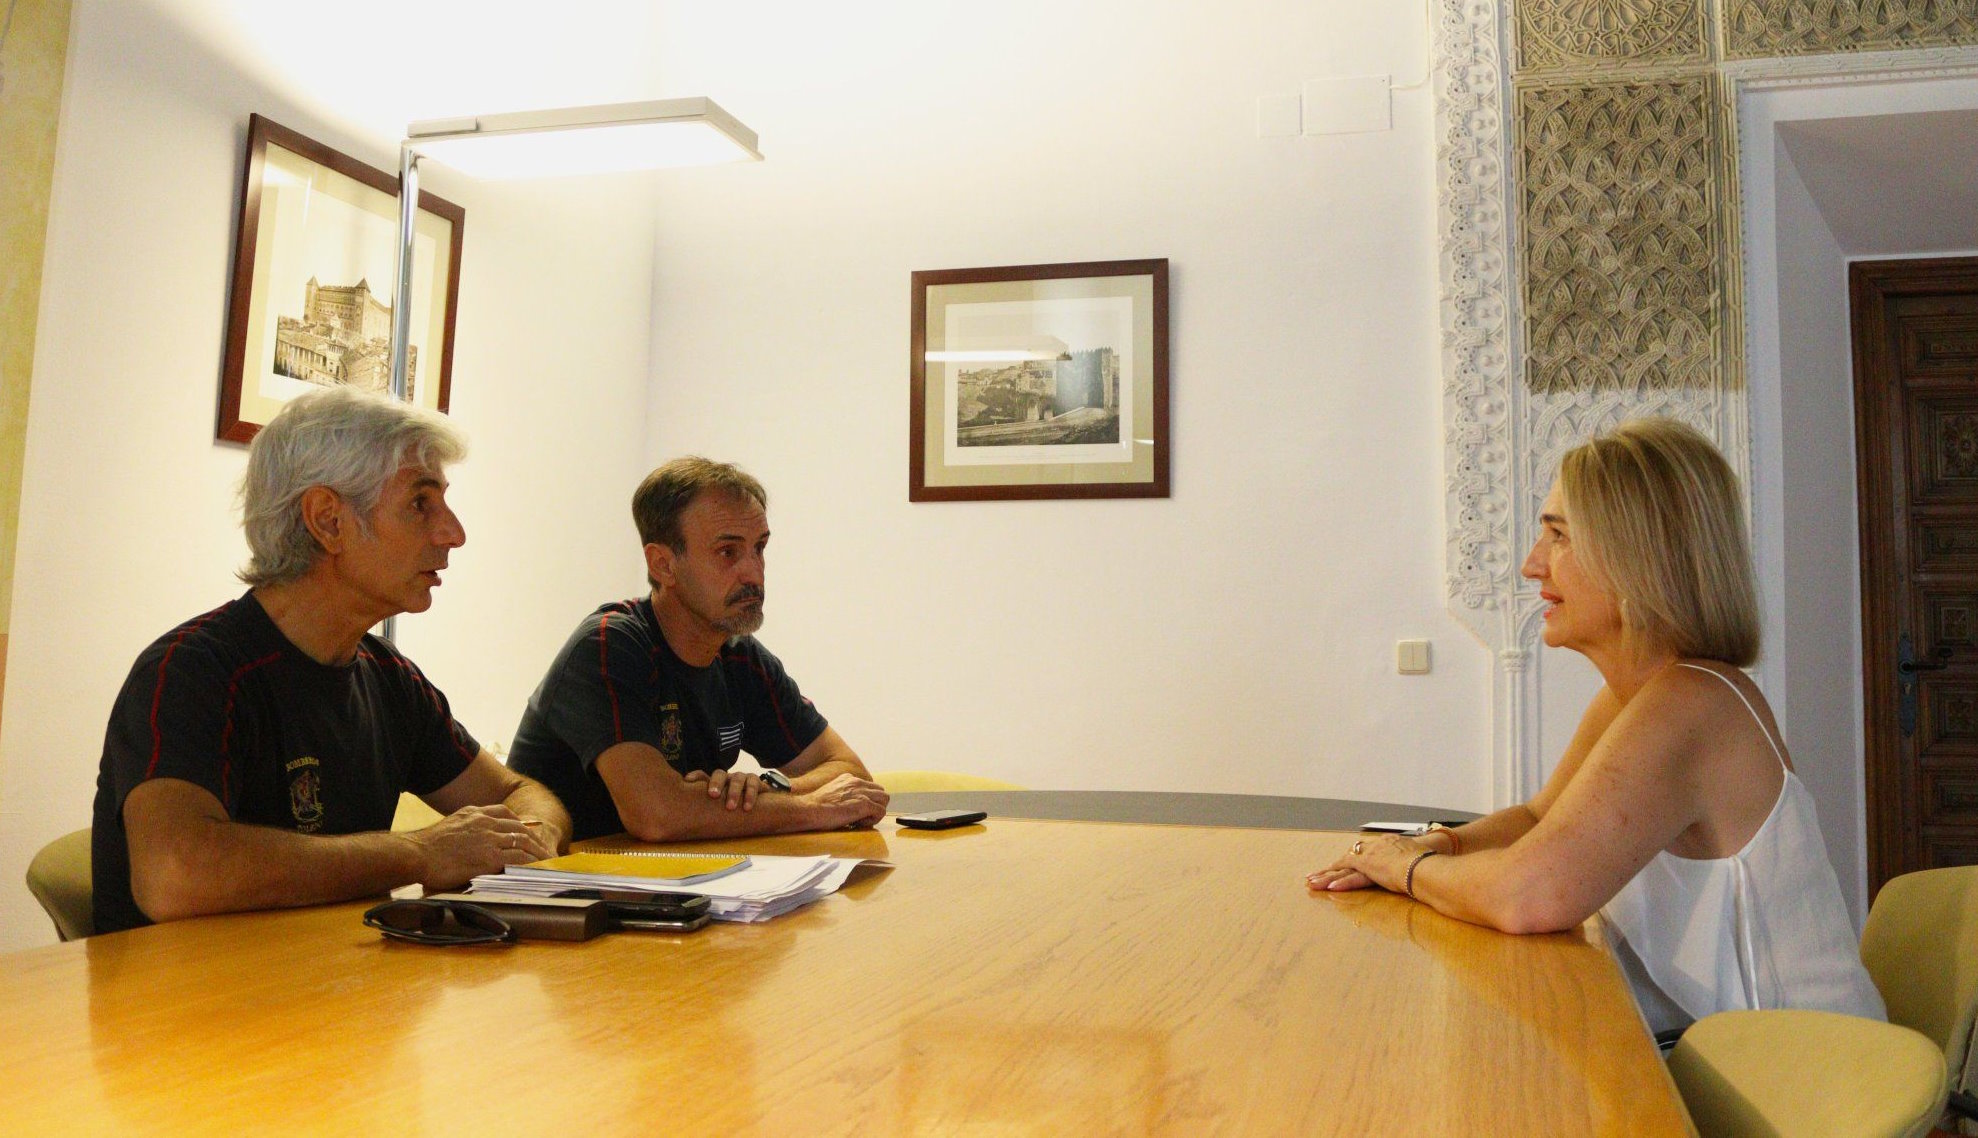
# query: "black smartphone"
[[942, 819], [660, 924], [627, 905], [1406, 827]]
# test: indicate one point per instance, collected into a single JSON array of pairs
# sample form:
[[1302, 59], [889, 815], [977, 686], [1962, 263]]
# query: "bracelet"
[[1455, 840], [1408, 882]]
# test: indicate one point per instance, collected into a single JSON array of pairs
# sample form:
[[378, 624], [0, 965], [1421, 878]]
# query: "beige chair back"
[[413, 813], [1921, 947], [59, 878]]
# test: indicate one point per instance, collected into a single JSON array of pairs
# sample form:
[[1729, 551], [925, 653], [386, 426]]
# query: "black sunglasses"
[[439, 922]]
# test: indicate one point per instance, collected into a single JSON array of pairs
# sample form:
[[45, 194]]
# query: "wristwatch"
[[775, 780]]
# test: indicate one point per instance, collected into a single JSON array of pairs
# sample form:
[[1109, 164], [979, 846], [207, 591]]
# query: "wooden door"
[[1916, 433]]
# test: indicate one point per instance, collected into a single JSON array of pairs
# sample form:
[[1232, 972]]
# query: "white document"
[[768, 886]]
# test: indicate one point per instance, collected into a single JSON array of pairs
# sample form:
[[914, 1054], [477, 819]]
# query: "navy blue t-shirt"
[[616, 680], [225, 702]]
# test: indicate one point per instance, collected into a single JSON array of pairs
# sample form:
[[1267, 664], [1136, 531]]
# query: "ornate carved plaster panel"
[[1760, 28], [1619, 236], [1848, 67], [1477, 325], [1645, 162], [1554, 34], [1558, 422]]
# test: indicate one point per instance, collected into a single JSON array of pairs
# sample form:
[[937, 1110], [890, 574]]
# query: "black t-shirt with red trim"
[[616, 680], [225, 702]]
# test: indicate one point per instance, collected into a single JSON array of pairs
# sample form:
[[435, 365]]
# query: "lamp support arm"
[[401, 297]]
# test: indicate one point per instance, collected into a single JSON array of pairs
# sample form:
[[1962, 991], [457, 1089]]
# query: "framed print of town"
[[1040, 381], [315, 265]]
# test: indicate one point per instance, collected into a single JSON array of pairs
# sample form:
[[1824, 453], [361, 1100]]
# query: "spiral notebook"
[[637, 869]]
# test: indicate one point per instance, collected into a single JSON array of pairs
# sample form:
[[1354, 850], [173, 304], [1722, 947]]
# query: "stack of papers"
[[631, 869], [767, 886]]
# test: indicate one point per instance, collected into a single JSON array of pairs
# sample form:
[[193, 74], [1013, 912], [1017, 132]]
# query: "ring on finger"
[[1359, 846]]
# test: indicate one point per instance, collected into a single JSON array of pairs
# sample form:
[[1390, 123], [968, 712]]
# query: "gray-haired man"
[[256, 754]]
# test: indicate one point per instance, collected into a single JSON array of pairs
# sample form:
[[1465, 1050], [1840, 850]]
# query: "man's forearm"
[[531, 799], [224, 867], [826, 771], [657, 805], [693, 815]]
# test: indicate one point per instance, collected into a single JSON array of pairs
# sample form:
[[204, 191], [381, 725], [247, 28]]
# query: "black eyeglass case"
[[540, 918]]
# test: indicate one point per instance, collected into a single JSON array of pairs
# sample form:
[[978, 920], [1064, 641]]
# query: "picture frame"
[[315, 266], [1040, 381]]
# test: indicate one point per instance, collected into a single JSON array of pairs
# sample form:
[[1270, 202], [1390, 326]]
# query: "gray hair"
[[341, 438]]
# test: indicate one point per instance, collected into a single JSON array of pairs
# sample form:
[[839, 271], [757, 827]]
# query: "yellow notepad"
[[636, 868]]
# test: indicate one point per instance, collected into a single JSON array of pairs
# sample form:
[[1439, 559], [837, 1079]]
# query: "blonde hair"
[[1658, 517]]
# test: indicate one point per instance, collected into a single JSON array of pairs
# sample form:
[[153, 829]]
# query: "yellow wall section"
[[30, 102]]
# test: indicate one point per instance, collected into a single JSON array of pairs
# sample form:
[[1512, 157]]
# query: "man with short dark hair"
[[649, 703], [256, 754]]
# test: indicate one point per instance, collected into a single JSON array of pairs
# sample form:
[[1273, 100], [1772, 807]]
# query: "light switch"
[[1411, 657]]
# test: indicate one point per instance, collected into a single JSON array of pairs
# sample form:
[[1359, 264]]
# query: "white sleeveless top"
[[1763, 928]]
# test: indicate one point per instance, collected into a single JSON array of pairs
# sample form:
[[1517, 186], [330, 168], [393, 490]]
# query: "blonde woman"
[[1674, 812]]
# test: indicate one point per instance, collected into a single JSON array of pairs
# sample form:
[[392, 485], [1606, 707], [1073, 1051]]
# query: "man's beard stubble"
[[746, 622]]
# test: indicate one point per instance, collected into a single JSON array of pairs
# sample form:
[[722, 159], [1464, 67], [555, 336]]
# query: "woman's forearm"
[[1490, 832]]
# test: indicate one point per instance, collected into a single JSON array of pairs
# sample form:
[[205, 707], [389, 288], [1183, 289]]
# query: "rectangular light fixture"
[[553, 144], [586, 140]]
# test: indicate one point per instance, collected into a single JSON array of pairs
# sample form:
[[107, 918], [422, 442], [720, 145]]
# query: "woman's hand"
[[1379, 859]]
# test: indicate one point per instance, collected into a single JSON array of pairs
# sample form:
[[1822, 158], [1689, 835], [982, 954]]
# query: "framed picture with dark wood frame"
[[315, 265], [1040, 381]]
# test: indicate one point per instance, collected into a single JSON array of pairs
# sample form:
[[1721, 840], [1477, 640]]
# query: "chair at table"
[[1779, 1072], [59, 879], [1920, 944], [413, 813], [909, 782], [1808, 1074]]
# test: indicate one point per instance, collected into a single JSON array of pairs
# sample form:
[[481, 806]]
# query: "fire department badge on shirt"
[[669, 732], [305, 793]]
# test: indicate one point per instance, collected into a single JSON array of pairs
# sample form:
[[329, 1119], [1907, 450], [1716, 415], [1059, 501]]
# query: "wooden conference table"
[[1023, 977]]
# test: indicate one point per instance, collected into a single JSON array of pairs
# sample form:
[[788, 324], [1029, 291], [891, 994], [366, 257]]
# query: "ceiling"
[[376, 65], [1892, 184], [1886, 184]]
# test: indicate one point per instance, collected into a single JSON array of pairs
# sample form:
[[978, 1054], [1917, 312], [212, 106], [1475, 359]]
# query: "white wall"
[[126, 514], [1238, 636], [1820, 591]]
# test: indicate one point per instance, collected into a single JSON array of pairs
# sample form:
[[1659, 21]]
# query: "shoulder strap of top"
[[1747, 706], [1747, 954]]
